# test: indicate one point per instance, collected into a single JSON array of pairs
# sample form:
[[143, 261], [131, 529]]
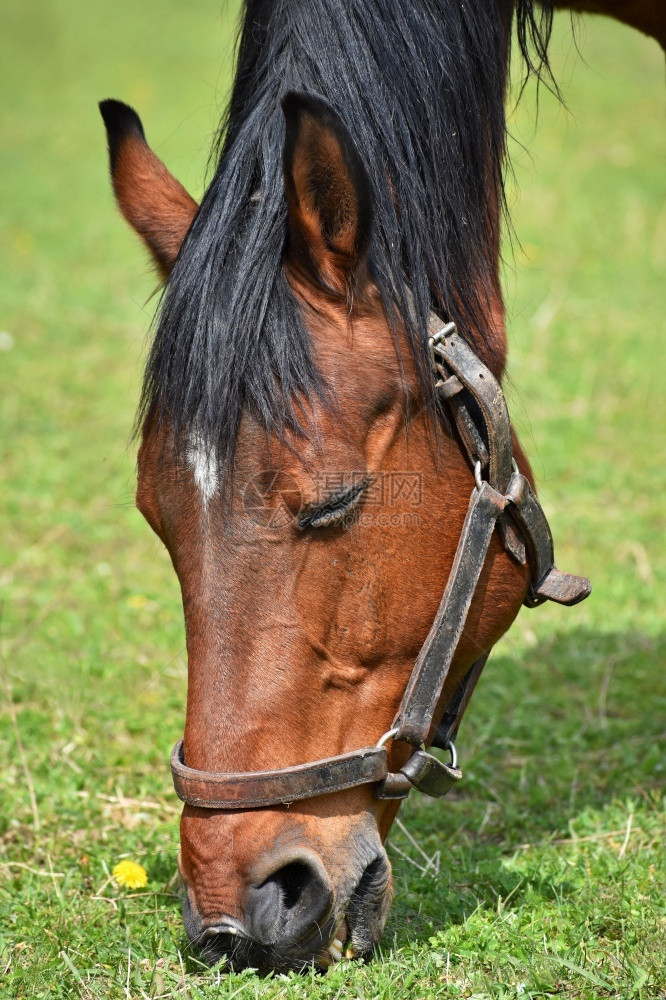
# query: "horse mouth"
[[236, 950], [342, 946], [367, 910], [350, 934]]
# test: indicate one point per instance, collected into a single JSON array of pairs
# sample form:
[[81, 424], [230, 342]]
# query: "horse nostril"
[[289, 903], [293, 881]]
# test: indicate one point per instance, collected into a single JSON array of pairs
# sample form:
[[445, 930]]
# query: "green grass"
[[546, 873]]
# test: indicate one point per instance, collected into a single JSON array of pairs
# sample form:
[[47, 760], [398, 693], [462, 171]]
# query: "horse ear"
[[328, 195], [154, 203]]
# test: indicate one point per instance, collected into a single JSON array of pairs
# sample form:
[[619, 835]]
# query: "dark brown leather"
[[447, 728], [453, 356], [430, 775], [547, 582], [258, 789], [563, 588], [395, 785], [422, 771], [454, 360], [424, 688]]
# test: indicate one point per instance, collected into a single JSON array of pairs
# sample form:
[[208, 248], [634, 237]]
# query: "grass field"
[[545, 874]]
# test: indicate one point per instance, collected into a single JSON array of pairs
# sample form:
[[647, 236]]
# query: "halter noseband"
[[502, 497]]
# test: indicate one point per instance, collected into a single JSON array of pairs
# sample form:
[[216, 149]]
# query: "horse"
[[325, 451], [648, 16]]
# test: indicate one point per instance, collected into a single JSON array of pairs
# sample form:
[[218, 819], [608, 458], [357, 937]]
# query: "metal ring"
[[386, 737], [451, 747], [477, 475]]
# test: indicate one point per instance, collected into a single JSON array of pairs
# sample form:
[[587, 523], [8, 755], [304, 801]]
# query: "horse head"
[[311, 575]]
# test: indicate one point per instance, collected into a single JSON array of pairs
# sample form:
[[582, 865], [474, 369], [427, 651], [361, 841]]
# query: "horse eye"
[[333, 510]]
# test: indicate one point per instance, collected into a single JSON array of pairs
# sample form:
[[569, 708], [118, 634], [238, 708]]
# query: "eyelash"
[[331, 512]]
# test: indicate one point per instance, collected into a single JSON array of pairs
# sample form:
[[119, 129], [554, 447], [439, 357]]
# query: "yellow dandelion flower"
[[130, 874]]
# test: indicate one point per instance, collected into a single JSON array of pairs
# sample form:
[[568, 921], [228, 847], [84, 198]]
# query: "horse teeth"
[[336, 949]]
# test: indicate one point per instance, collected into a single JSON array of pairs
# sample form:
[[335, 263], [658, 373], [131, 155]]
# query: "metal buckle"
[[436, 339]]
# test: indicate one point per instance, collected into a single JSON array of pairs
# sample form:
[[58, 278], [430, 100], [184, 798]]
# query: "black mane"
[[420, 85]]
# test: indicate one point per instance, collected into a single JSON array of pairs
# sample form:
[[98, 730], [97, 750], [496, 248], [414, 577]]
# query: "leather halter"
[[502, 498]]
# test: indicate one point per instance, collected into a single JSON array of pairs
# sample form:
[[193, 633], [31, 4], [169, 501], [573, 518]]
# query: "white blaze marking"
[[203, 462]]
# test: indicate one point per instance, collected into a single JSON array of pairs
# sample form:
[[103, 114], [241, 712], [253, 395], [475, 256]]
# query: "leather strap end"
[[395, 786], [429, 775], [563, 588]]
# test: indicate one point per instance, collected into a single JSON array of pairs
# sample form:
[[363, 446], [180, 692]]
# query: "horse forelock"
[[421, 89]]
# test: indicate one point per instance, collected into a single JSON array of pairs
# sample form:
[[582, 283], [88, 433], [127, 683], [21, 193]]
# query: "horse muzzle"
[[297, 917]]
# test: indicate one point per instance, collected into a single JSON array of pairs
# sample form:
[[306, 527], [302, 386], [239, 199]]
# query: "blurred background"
[[565, 738]]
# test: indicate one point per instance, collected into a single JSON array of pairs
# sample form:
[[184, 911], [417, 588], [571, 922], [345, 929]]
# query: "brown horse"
[[649, 16], [296, 459]]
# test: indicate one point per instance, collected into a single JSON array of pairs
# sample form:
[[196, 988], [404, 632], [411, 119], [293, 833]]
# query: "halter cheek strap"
[[502, 498]]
